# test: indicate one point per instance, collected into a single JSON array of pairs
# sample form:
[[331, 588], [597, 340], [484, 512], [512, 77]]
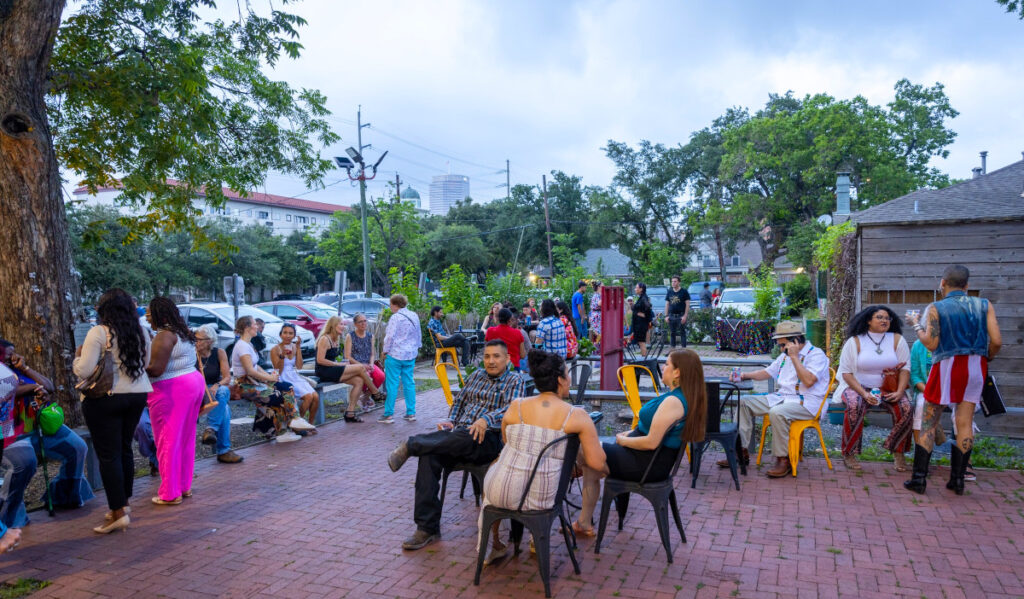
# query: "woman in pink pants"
[[175, 400], [359, 348]]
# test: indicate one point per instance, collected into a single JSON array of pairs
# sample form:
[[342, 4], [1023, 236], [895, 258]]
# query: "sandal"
[[379, 396], [351, 417], [583, 532]]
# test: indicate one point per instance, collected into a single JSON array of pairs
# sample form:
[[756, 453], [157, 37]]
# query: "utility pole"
[[362, 202], [547, 225], [398, 188], [508, 179]]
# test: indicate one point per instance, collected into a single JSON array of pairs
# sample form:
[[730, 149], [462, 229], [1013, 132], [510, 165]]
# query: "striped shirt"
[[487, 397], [551, 336]]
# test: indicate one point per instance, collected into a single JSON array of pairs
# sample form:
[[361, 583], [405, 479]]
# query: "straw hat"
[[788, 328]]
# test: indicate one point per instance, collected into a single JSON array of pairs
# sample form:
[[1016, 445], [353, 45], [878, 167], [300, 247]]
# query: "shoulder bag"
[[100, 381], [991, 400]]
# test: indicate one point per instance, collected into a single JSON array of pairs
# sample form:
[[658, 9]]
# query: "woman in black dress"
[[329, 367], [643, 312]]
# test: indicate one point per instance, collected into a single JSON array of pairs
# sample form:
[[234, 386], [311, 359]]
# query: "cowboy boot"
[[919, 477], [957, 466]]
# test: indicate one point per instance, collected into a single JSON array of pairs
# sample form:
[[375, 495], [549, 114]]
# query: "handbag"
[[100, 381], [991, 400], [50, 419], [891, 378]]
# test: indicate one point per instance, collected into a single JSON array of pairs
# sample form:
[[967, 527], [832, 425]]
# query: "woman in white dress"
[[287, 359]]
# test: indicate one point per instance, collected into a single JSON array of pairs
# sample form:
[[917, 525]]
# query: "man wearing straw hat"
[[801, 381]]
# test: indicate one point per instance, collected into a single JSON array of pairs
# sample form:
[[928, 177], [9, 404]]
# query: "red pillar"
[[612, 302]]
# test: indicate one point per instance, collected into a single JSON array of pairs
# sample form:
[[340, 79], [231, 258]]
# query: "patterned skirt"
[[275, 404]]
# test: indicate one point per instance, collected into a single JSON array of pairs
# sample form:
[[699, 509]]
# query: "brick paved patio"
[[325, 517]]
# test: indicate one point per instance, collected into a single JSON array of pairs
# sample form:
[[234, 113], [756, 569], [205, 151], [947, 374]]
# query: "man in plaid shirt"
[[472, 434], [551, 331]]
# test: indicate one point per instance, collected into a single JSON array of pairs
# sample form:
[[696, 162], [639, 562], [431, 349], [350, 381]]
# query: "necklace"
[[878, 344]]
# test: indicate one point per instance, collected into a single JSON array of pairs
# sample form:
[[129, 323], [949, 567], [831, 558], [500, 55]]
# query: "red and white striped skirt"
[[956, 379]]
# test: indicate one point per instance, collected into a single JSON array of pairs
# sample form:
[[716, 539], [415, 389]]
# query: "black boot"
[[919, 477], [957, 466]]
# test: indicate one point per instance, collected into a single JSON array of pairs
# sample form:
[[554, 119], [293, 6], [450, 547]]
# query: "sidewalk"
[[325, 517]]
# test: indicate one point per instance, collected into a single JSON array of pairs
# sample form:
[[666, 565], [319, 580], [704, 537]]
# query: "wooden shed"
[[904, 244]]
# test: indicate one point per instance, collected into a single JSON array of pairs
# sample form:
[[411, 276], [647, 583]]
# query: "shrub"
[[798, 293], [701, 323], [766, 295]]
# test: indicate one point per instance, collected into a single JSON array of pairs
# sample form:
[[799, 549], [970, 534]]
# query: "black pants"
[[112, 421], [458, 341], [626, 463], [436, 451], [677, 327]]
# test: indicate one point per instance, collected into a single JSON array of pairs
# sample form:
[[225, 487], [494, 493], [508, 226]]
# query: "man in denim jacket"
[[962, 333]]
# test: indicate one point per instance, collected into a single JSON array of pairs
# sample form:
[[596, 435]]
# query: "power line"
[[439, 153]]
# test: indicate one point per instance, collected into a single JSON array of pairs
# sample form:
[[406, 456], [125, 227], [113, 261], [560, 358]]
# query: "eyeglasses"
[[202, 338], [881, 317]]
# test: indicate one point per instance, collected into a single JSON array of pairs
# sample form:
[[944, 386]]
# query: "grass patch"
[[427, 384], [21, 587], [833, 550]]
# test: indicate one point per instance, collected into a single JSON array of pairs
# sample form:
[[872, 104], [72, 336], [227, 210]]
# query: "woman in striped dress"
[[528, 426]]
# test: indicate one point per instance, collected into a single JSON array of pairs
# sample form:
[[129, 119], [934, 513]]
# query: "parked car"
[[308, 315], [370, 307], [657, 297], [293, 297], [695, 289], [742, 299], [328, 297], [222, 316]]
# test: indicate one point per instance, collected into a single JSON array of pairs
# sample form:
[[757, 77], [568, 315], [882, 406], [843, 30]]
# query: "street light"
[[348, 164]]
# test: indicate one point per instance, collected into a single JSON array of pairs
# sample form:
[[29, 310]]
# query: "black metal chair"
[[727, 434], [476, 472], [661, 494], [538, 521], [580, 374]]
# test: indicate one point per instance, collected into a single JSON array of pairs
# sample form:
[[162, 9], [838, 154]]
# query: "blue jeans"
[[219, 419], [144, 437], [581, 326], [395, 371], [68, 489]]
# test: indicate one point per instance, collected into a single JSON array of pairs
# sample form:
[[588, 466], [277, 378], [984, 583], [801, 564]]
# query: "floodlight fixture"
[[354, 155], [344, 162], [379, 160]]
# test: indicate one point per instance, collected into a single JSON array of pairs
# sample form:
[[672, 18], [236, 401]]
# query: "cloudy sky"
[[463, 85]]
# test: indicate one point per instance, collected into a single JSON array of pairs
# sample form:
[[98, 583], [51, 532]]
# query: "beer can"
[[736, 374]]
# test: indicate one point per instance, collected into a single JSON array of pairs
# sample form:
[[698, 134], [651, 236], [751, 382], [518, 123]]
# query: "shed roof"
[[998, 195], [613, 262]]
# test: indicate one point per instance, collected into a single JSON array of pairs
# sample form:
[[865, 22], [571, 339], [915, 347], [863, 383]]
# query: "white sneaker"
[[287, 437], [300, 424]]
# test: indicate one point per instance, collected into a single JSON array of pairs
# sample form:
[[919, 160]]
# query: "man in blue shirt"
[[578, 309], [445, 339]]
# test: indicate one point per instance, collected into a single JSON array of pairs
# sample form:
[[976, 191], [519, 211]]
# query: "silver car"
[[222, 315]]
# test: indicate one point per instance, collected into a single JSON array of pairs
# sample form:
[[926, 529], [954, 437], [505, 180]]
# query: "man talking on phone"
[[801, 375], [472, 433]]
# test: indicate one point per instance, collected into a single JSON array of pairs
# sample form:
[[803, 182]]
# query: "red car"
[[308, 315]]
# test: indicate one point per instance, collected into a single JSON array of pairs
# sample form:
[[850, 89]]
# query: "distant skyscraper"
[[446, 190]]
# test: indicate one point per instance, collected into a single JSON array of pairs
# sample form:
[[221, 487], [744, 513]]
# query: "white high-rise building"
[[446, 190]]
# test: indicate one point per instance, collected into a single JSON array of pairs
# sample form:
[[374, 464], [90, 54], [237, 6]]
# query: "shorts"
[[956, 379]]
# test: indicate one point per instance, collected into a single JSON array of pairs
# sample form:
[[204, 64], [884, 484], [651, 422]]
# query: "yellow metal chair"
[[442, 376], [631, 387], [797, 428], [439, 352]]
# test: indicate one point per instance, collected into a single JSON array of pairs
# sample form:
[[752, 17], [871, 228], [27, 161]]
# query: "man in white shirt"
[[801, 375]]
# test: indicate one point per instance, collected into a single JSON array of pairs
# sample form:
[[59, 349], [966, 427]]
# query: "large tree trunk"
[[721, 253], [38, 288]]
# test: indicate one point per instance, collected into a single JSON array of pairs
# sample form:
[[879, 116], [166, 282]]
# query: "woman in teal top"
[[633, 451], [920, 366]]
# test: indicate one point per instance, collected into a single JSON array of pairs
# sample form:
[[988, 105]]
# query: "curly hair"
[[546, 368], [165, 316], [116, 311], [858, 325]]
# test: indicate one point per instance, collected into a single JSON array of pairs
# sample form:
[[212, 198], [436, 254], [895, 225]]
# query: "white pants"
[[781, 413]]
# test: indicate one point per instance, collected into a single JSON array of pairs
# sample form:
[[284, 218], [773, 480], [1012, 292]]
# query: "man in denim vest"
[[962, 333]]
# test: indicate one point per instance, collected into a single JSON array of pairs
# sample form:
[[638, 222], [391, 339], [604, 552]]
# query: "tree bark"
[[721, 253], [39, 286]]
